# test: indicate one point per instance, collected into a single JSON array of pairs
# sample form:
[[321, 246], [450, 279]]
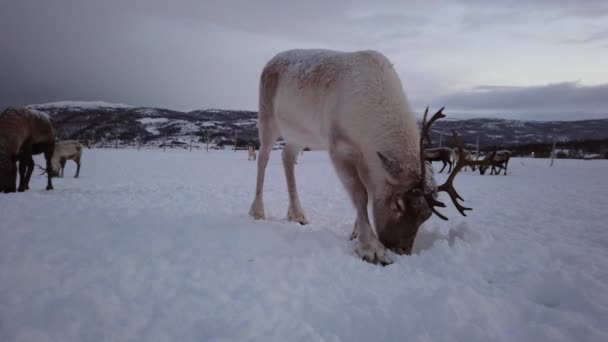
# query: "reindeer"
[[442, 154], [252, 154], [24, 133], [498, 160], [66, 150], [352, 105], [467, 156]]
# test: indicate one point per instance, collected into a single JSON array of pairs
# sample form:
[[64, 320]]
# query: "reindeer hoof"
[[296, 216], [299, 219], [373, 253], [257, 210], [49, 188]]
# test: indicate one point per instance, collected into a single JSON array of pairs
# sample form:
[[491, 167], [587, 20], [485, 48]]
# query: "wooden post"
[[236, 135], [190, 136], [553, 151]]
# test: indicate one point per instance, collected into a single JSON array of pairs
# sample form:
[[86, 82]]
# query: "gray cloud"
[[596, 36], [570, 100], [187, 54]]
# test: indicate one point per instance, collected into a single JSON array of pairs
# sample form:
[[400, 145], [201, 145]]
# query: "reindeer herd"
[[27, 132], [351, 104], [497, 160]]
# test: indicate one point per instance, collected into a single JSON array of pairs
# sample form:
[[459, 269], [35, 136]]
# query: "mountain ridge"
[[97, 119]]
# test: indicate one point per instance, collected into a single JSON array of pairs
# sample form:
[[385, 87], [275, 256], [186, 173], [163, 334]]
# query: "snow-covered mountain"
[[83, 120], [109, 121]]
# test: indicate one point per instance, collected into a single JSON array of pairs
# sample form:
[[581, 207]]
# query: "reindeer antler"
[[448, 186], [425, 134], [43, 170]]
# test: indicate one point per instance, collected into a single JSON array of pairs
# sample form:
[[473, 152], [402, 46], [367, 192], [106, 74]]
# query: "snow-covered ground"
[[153, 246]]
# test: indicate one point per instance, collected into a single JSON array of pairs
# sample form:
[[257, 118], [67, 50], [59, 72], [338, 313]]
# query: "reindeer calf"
[[64, 151]]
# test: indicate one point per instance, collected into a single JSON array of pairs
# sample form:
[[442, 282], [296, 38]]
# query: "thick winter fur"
[[23, 133], [66, 150], [442, 154], [352, 105], [500, 161]]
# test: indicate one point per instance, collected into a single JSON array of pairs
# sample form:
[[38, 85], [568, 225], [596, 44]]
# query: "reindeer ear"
[[391, 166]]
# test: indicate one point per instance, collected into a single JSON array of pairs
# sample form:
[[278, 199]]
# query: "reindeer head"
[[488, 159], [401, 211]]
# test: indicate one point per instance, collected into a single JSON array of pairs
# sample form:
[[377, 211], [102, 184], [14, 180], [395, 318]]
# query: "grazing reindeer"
[[467, 156], [24, 133], [499, 160], [252, 154], [442, 154], [353, 106], [64, 151]]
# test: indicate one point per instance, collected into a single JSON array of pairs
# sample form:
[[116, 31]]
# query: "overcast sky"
[[533, 59]]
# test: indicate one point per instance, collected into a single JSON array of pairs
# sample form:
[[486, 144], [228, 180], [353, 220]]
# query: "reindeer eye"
[[400, 205]]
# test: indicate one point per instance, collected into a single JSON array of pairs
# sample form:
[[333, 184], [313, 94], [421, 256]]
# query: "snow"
[[153, 246], [247, 122], [148, 111], [147, 121], [79, 104]]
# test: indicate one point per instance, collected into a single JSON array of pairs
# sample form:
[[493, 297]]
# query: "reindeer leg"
[[29, 167], [77, 160], [368, 247], [11, 181], [48, 155], [62, 162], [295, 211], [25, 160], [444, 165], [269, 133], [22, 171]]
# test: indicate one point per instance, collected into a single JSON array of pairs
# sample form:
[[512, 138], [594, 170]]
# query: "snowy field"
[[153, 246]]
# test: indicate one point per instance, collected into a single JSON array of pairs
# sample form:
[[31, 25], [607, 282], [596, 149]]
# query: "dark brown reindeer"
[[442, 154], [24, 133], [497, 160]]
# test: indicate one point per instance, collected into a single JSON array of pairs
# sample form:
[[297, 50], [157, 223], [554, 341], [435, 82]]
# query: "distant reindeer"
[[467, 156], [24, 133], [66, 150], [352, 105], [252, 153], [442, 154], [498, 160]]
